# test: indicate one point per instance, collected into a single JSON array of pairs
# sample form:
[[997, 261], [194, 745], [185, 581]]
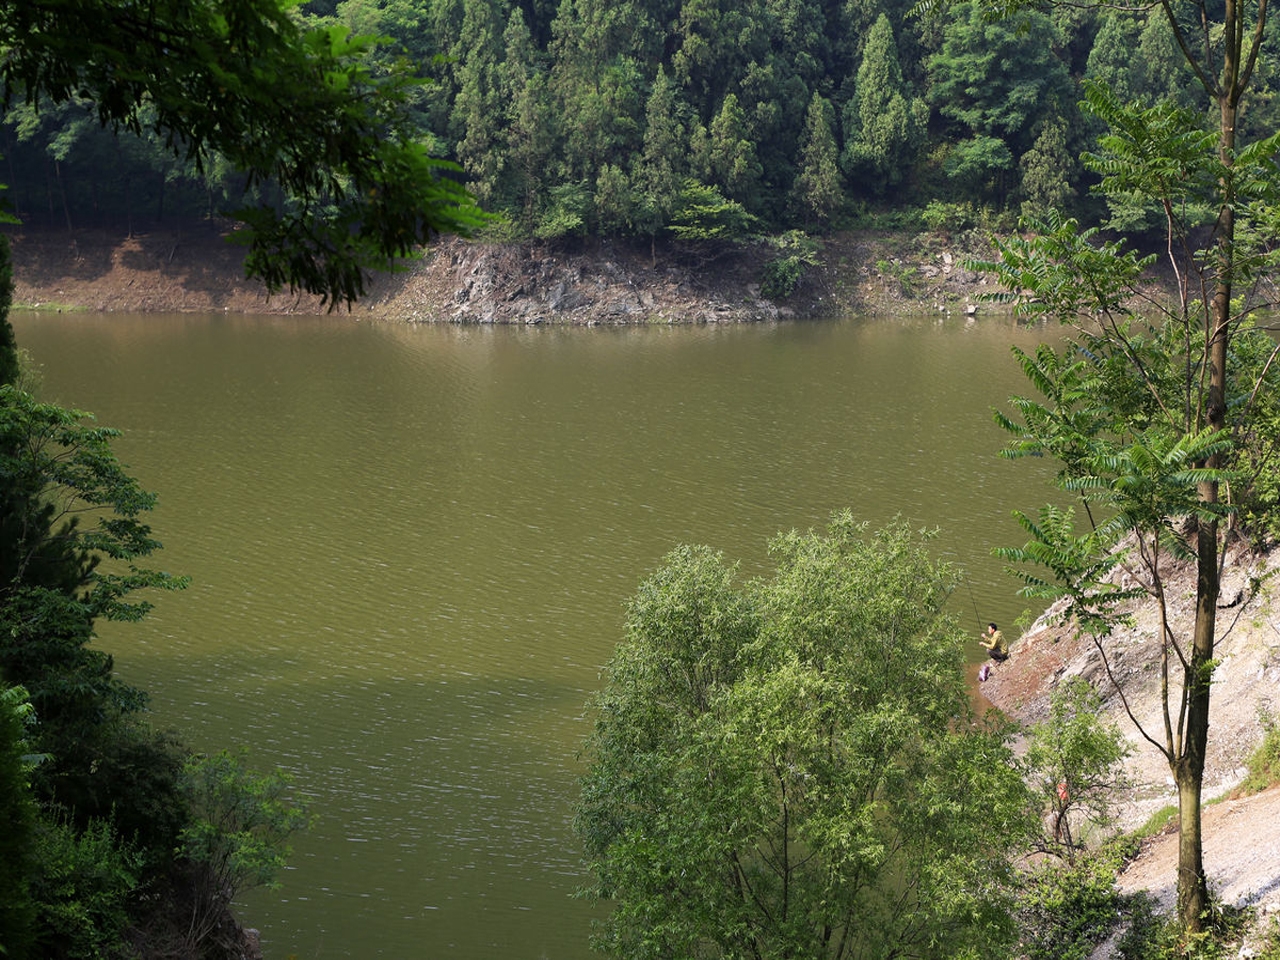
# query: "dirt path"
[[1241, 854]]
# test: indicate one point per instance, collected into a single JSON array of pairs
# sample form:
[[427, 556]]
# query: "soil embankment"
[[1241, 835], [602, 282]]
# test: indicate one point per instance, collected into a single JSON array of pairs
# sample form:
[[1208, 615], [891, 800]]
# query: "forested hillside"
[[695, 118]]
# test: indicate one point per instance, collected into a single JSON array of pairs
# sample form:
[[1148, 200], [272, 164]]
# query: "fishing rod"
[[977, 616]]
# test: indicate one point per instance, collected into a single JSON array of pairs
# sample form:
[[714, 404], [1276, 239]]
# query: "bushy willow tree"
[[788, 767]]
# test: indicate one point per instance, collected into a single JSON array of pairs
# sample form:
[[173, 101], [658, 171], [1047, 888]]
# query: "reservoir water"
[[411, 548]]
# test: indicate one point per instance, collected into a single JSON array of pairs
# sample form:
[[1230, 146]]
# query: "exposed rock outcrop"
[[577, 283]]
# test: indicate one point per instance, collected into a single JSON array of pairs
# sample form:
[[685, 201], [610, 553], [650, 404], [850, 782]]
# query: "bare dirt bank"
[[599, 282], [1241, 834]]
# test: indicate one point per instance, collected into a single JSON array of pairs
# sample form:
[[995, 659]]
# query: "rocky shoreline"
[[456, 281]]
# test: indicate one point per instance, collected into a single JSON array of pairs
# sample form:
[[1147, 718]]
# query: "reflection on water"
[[411, 548]]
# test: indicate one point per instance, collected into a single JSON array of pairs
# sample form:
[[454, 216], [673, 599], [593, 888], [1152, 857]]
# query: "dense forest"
[[694, 118]]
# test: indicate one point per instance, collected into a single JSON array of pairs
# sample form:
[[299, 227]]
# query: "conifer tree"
[[883, 127], [818, 188], [478, 106], [530, 126], [1048, 170], [731, 153], [663, 166]]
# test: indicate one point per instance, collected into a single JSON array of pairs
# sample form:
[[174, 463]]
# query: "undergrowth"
[[1150, 936], [1066, 909], [1264, 762]]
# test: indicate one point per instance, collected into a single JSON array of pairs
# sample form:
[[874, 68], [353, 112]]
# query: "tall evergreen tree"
[[663, 166], [614, 201], [818, 188], [478, 107], [1112, 60], [731, 153], [883, 126], [598, 59], [1048, 169], [530, 125], [714, 41], [774, 98]]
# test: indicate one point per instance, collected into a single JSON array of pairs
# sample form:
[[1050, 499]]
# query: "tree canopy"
[[588, 118], [787, 766]]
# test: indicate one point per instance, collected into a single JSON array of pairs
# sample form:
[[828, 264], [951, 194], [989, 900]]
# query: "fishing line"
[[974, 601]]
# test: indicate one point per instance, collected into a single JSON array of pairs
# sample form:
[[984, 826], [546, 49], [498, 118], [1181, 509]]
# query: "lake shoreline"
[[570, 283]]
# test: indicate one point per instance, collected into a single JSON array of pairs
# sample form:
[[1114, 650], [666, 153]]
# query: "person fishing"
[[993, 640]]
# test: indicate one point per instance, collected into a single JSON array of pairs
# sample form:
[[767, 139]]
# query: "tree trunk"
[[1193, 899], [1193, 890]]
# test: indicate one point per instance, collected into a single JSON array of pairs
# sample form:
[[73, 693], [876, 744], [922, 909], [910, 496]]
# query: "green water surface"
[[411, 547]]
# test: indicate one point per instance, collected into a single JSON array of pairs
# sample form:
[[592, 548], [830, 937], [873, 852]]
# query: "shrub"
[[17, 814], [1157, 822], [950, 217], [1149, 936], [1065, 910], [901, 274], [121, 772], [237, 835], [705, 214], [1264, 762], [797, 252], [82, 889]]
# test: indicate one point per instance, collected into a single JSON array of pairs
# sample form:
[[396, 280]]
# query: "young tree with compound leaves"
[[72, 537], [299, 108], [1150, 407], [787, 767], [236, 838]]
